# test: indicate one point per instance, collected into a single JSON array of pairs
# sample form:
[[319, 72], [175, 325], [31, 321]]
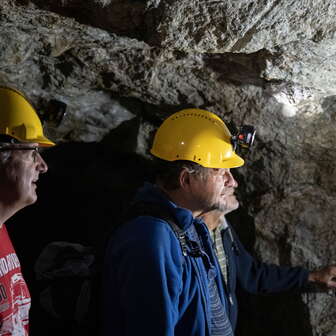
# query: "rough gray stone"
[[241, 26], [267, 63]]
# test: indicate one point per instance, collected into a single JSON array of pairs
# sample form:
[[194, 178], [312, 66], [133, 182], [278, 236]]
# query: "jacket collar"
[[153, 194]]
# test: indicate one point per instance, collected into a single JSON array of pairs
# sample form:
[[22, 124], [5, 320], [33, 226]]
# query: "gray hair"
[[168, 172], [5, 154]]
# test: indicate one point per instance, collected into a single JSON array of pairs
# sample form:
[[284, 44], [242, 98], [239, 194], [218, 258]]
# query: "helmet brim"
[[45, 142], [234, 162], [42, 141]]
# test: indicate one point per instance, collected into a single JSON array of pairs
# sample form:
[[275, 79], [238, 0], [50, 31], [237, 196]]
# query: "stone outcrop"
[[117, 64]]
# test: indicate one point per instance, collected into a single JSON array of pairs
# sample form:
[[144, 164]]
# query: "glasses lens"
[[35, 154]]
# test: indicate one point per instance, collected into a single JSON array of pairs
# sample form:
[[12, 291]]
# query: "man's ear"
[[184, 180]]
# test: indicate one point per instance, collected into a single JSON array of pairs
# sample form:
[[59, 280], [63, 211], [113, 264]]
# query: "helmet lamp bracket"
[[244, 138]]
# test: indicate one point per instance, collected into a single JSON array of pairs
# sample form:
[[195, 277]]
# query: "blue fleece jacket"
[[150, 288], [254, 276]]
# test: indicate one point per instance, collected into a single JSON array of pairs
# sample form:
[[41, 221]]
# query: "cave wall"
[[119, 67]]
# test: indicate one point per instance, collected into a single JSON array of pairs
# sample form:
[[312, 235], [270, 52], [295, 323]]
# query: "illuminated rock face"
[[267, 63]]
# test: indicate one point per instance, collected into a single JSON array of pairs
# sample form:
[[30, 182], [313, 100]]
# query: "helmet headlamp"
[[244, 137]]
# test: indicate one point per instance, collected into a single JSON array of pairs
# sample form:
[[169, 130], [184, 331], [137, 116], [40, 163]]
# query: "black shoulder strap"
[[156, 210]]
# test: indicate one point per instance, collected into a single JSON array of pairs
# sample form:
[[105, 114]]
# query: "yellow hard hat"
[[196, 135], [19, 119]]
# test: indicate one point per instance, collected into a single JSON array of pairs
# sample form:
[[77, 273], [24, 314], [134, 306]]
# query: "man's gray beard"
[[223, 208]]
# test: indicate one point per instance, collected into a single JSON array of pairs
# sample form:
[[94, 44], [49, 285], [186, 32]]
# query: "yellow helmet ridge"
[[196, 135], [19, 119]]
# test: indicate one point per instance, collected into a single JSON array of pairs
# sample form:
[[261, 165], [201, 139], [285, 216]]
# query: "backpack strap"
[[180, 234]]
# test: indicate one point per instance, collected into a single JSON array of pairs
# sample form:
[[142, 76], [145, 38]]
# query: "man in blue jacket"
[[161, 273], [255, 277]]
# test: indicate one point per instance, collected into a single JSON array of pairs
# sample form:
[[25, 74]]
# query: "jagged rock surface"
[[267, 63]]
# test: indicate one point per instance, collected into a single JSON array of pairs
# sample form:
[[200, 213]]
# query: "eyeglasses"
[[35, 155]]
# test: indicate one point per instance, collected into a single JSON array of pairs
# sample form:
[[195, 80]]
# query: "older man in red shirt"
[[21, 136]]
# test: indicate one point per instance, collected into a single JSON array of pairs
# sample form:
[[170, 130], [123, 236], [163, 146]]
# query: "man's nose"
[[231, 182], [41, 166]]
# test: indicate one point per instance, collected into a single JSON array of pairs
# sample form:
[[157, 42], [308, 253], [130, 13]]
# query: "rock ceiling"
[[269, 63]]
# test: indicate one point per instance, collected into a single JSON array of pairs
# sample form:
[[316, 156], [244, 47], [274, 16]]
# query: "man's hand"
[[325, 275]]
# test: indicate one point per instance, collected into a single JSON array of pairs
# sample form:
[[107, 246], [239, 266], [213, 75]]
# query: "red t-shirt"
[[14, 293]]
